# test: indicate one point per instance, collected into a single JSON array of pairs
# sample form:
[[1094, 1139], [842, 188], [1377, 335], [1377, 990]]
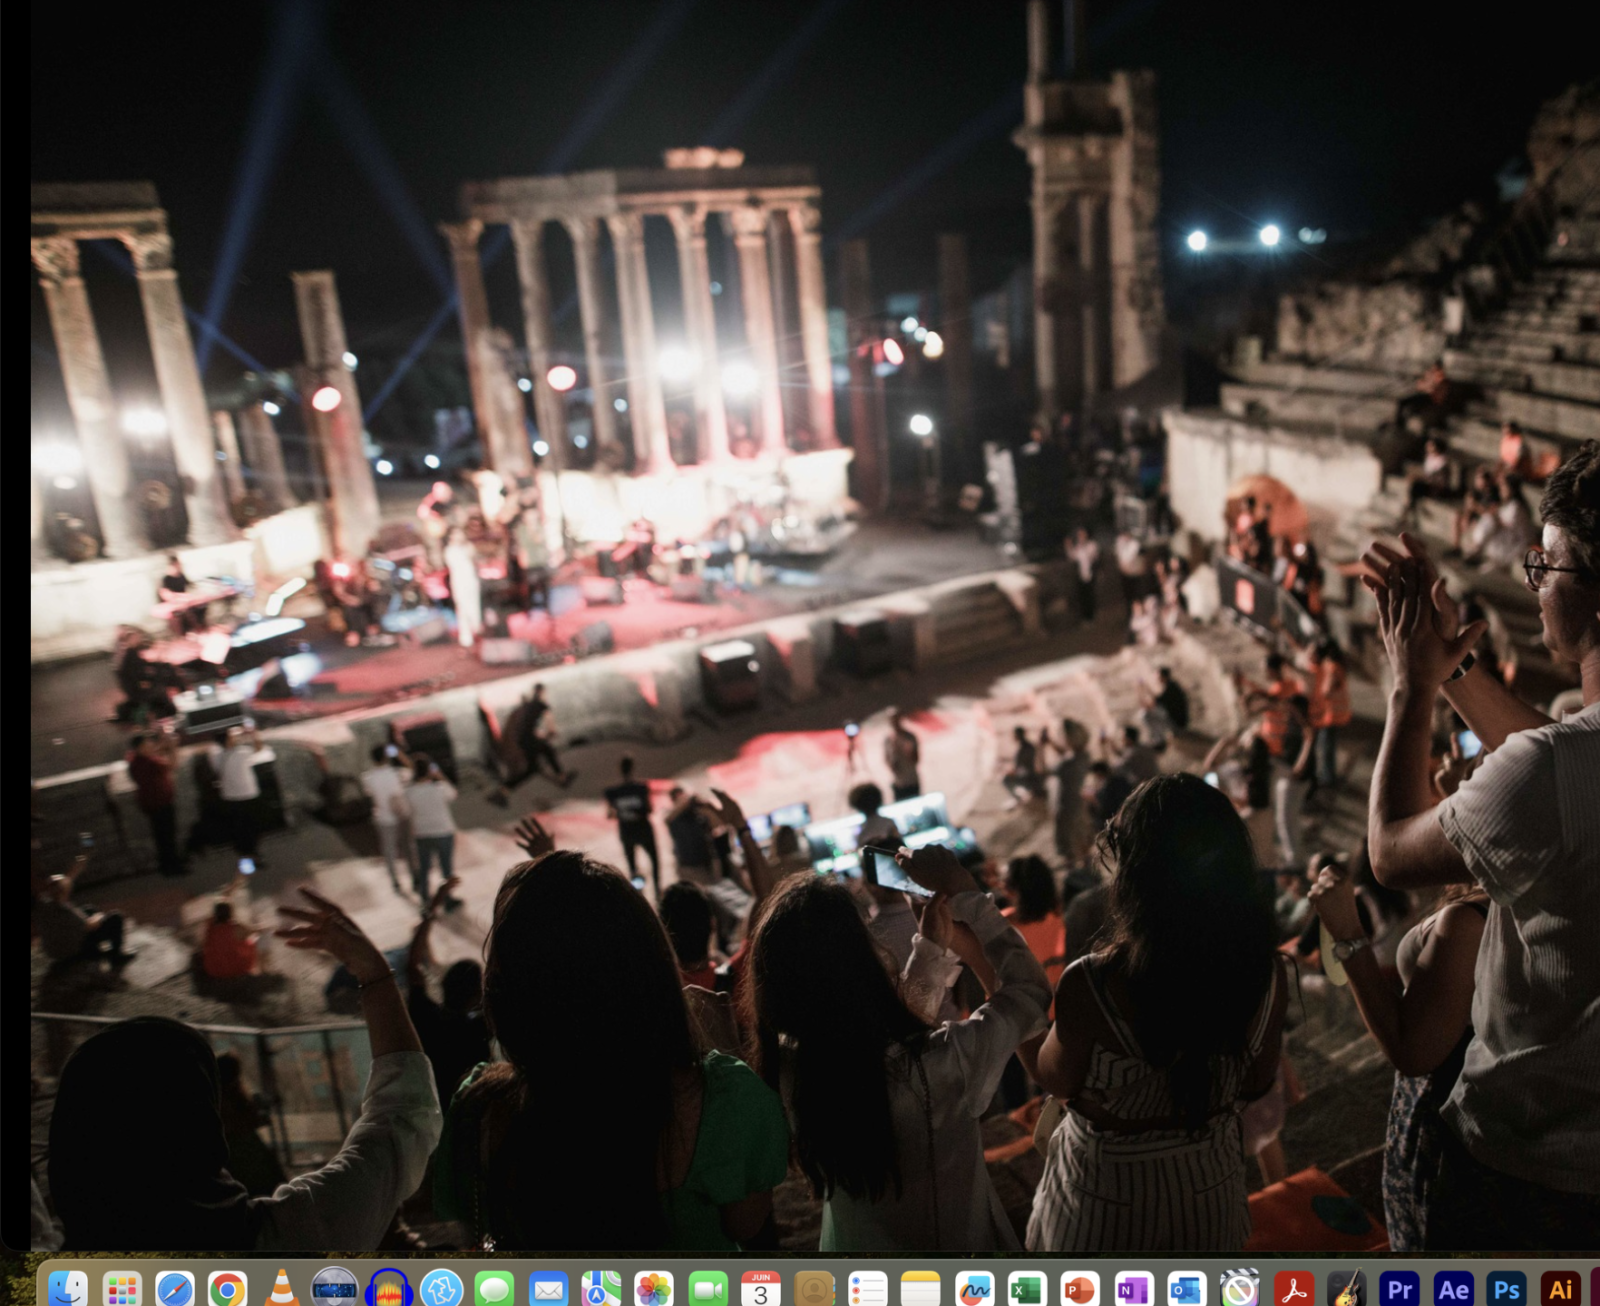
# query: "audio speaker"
[[730, 675], [601, 591], [426, 732], [493, 652], [861, 643]]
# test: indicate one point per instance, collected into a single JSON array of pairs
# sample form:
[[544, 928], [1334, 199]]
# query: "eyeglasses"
[[1534, 567]]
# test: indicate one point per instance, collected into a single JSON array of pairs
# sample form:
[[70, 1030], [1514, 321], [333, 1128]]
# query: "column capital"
[[151, 250], [56, 257], [463, 235], [626, 226], [579, 226], [688, 221], [806, 221], [749, 224]]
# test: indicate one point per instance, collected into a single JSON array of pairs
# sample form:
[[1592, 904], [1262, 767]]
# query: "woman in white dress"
[[461, 558]]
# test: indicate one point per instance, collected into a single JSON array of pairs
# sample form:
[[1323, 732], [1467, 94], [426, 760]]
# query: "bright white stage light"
[[621, 405], [1270, 235], [908, 323], [561, 378], [144, 421], [349, 360], [270, 409], [933, 345], [1312, 235], [677, 364], [384, 467], [921, 424], [524, 385], [57, 458], [582, 441], [739, 378], [430, 460], [1198, 240], [892, 353], [326, 398], [541, 448]]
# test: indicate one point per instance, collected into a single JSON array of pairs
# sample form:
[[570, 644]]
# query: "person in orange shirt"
[[1035, 912], [1330, 709], [1514, 455], [1282, 685], [229, 951]]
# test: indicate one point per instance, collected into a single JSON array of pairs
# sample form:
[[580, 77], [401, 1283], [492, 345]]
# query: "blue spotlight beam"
[[669, 18], [365, 142], [435, 324], [772, 73], [269, 120]]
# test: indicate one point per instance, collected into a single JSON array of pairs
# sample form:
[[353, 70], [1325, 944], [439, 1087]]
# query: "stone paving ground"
[[964, 716]]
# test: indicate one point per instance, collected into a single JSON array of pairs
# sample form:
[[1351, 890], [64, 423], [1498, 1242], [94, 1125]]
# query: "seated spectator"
[[686, 912], [1291, 906], [230, 950], [1152, 1057], [898, 1162], [244, 1115], [168, 1130], [1515, 457], [684, 1155], [1433, 481], [452, 1030], [69, 931], [1428, 405], [1422, 1023], [1521, 1167], [1035, 912], [1500, 539], [1481, 498]]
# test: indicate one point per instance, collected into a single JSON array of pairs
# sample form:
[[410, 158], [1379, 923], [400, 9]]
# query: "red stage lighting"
[[326, 398], [561, 378]]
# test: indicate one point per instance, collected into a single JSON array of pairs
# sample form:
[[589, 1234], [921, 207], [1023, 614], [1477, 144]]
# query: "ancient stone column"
[[750, 238], [871, 461], [806, 222], [592, 309], [228, 447], [352, 492], [264, 452], [694, 270], [194, 446], [83, 369], [474, 309], [955, 328], [549, 406], [1091, 305], [1047, 292], [649, 411]]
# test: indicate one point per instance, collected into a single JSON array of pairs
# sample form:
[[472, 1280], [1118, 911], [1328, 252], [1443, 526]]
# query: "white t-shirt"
[[430, 808], [383, 785], [236, 773], [1527, 824], [1087, 556], [1130, 555]]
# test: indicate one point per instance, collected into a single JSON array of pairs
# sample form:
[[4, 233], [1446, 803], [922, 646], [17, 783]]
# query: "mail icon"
[[547, 1288], [549, 1292]]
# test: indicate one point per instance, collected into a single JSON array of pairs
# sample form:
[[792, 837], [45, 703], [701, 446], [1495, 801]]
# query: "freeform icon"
[[975, 1288]]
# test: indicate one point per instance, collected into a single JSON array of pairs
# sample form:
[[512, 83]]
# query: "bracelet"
[[1467, 663], [387, 975]]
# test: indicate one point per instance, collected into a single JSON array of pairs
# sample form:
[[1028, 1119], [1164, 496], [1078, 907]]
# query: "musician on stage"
[[437, 513], [146, 685], [527, 555], [174, 587]]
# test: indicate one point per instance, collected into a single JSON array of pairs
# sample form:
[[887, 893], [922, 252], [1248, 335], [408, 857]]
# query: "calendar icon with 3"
[[761, 1288]]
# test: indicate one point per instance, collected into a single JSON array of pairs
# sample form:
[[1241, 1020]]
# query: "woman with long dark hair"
[[605, 1126], [1161, 1036], [885, 1108]]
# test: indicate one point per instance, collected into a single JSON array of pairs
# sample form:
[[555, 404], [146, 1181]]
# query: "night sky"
[[1357, 118]]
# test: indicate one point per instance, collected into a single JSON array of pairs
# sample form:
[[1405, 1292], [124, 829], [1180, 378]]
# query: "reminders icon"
[[919, 1288]]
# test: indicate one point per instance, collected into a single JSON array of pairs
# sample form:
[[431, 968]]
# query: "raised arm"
[[762, 877]]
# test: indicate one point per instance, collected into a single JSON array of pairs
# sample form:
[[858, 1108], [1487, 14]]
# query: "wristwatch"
[[1345, 949], [1467, 663]]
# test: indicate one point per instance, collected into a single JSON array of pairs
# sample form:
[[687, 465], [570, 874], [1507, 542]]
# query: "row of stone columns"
[[88, 385], [641, 377]]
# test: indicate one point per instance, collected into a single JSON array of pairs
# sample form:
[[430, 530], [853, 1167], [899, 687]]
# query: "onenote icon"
[[334, 1284], [174, 1288], [602, 1288], [1242, 1287], [67, 1288], [441, 1287], [1080, 1288], [975, 1288], [227, 1288], [1135, 1287], [547, 1288]]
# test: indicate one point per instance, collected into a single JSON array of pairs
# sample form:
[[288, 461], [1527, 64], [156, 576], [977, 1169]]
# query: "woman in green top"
[[606, 1126]]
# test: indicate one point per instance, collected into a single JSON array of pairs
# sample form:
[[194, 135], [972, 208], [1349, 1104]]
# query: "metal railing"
[[310, 1078]]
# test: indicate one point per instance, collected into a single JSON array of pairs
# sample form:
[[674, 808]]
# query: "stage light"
[[430, 460], [933, 345], [326, 398], [1198, 240], [1270, 235], [892, 353], [716, 287], [147, 422], [65, 483], [57, 458], [524, 385], [739, 378], [921, 424], [349, 360], [270, 409], [677, 364], [341, 570], [908, 324], [384, 467], [582, 441], [540, 448], [920, 334], [1312, 235], [621, 405], [561, 378]]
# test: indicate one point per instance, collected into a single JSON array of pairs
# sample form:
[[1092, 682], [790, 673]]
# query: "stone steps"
[[1562, 380], [1572, 419], [1539, 346], [1342, 410], [976, 621]]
